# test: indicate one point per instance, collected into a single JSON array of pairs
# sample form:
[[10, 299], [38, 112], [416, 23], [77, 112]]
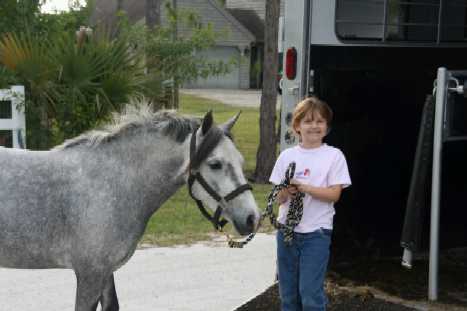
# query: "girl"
[[321, 173]]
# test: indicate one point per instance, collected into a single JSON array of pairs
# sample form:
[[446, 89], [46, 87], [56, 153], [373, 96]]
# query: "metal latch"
[[293, 90]]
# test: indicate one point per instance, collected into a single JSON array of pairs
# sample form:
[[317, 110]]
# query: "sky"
[[55, 5]]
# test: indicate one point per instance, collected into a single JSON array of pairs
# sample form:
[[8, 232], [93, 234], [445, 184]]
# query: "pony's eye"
[[215, 165]]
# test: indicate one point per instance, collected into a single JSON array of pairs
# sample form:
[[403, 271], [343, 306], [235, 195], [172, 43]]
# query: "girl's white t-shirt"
[[323, 166]]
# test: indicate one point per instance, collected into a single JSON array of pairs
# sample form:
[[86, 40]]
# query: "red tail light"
[[291, 63]]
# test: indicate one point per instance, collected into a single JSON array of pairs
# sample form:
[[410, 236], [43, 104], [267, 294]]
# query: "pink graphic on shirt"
[[307, 172]]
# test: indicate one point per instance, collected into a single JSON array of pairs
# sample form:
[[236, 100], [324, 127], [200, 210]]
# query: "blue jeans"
[[302, 268]]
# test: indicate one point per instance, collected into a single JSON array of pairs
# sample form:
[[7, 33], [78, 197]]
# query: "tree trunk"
[[153, 13], [176, 85], [266, 155], [44, 142]]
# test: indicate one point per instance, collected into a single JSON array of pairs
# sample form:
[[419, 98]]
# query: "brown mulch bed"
[[381, 284]]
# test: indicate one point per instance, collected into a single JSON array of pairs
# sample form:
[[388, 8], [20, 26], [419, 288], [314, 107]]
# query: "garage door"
[[230, 80]]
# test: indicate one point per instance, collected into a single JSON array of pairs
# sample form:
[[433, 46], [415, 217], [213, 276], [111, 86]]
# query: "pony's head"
[[217, 178]]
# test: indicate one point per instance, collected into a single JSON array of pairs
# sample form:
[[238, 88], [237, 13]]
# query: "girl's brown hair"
[[311, 105]]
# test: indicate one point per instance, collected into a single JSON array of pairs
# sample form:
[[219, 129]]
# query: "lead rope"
[[294, 215]]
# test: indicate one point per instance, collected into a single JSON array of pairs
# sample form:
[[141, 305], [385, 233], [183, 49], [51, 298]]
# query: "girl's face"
[[312, 129]]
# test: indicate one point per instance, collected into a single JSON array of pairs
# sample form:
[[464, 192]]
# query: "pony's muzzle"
[[251, 222], [249, 225]]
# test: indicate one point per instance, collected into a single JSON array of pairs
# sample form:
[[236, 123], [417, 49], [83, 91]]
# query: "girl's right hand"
[[292, 190], [286, 193]]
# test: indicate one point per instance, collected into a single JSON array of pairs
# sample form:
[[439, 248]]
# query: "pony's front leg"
[[109, 300], [89, 287]]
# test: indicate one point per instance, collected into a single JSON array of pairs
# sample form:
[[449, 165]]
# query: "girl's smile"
[[312, 129]]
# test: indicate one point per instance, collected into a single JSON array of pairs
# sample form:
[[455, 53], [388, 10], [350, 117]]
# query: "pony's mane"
[[135, 117]]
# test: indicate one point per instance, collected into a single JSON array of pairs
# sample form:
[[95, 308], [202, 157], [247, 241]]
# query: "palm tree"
[[71, 84], [28, 58]]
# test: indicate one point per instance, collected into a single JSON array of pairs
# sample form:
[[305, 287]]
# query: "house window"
[[430, 21], [5, 109], [6, 138]]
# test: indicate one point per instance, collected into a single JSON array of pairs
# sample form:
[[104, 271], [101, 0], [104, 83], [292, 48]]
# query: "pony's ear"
[[207, 123], [227, 126]]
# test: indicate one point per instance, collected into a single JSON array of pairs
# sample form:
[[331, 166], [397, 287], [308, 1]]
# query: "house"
[[236, 45], [12, 117], [252, 14]]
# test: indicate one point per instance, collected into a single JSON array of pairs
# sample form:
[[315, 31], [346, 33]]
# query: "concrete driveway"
[[203, 277], [234, 97]]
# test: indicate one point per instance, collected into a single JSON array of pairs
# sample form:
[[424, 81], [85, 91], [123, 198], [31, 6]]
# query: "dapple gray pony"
[[84, 205]]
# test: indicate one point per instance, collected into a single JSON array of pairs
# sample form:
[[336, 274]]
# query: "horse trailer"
[[375, 63]]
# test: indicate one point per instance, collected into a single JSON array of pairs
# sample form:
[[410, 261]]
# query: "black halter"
[[210, 141]]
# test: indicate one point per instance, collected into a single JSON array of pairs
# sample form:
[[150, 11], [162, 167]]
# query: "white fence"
[[12, 118]]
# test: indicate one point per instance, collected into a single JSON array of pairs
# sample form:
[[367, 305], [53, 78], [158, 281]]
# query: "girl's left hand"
[[300, 187]]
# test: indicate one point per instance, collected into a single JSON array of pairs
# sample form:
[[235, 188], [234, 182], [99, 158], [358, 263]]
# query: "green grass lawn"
[[179, 221]]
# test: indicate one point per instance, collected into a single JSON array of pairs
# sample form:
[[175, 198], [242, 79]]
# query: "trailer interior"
[[377, 94]]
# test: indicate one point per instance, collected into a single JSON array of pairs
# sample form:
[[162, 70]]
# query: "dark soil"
[[382, 284], [339, 300]]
